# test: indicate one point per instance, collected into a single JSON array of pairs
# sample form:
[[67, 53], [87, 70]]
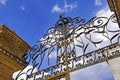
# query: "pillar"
[[115, 67]]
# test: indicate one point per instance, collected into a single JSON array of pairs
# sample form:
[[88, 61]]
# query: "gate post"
[[67, 76], [115, 67]]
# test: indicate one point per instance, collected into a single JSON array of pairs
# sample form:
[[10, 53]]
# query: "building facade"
[[12, 48], [115, 7]]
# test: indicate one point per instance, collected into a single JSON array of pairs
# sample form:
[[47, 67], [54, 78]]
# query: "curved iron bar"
[[74, 31]]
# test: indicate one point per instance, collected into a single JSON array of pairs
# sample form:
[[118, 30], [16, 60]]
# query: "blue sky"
[[31, 19]]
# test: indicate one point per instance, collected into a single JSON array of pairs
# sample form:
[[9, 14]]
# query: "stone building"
[[12, 48], [114, 6]]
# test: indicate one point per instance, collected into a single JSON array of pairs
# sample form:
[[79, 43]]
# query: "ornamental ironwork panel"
[[75, 43], [79, 62]]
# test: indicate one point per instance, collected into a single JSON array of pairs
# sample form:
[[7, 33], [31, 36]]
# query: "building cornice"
[[12, 56], [4, 27]]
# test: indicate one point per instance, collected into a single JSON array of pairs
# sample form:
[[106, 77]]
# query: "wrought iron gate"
[[66, 39]]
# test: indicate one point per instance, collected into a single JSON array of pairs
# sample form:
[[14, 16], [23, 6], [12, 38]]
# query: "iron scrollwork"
[[65, 39]]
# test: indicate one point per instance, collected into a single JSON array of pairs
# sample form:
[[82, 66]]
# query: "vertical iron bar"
[[65, 50]]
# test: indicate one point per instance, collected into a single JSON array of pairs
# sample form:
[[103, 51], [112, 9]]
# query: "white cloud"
[[56, 8], [3, 2], [98, 2], [96, 72], [23, 76], [105, 11], [69, 7], [65, 8], [22, 8]]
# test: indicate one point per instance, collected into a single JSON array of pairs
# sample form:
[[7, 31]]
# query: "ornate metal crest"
[[69, 38]]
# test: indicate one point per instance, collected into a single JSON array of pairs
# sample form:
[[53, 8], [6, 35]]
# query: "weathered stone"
[[115, 67], [12, 48]]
